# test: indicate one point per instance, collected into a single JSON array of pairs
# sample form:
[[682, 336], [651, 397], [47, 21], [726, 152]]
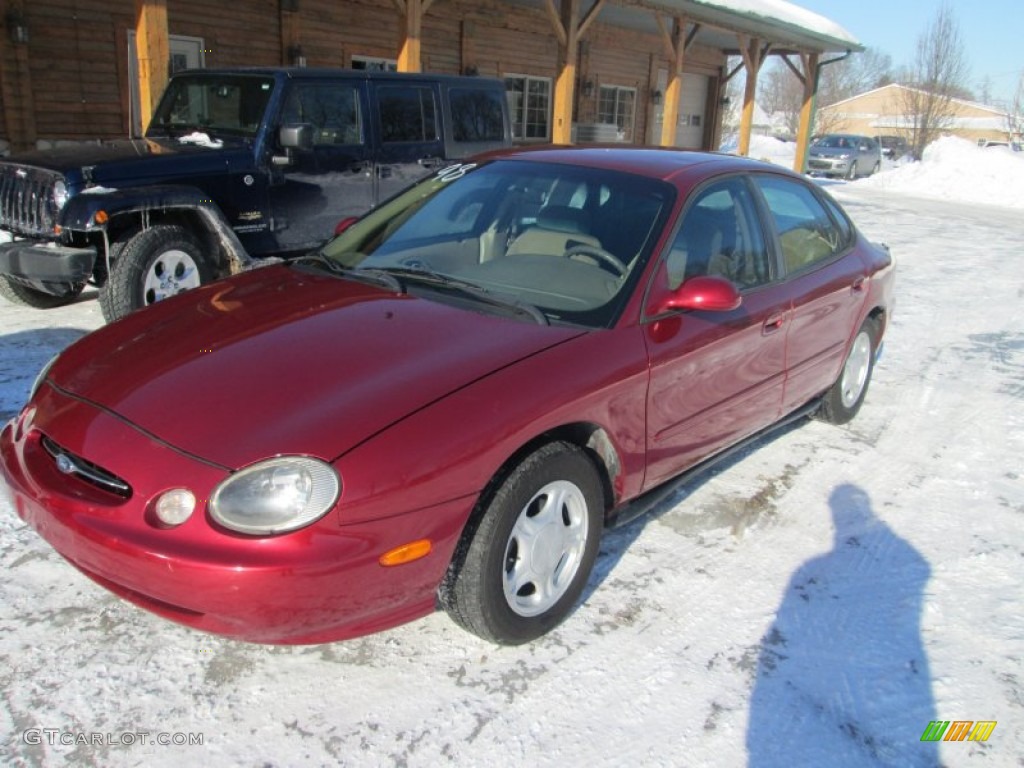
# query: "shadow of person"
[[842, 678]]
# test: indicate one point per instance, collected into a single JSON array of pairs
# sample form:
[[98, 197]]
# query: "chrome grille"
[[26, 201], [70, 464]]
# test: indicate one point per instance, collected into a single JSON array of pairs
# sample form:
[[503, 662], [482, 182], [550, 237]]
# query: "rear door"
[[826, 279], [407, 118], [716, 377], [312, 189]]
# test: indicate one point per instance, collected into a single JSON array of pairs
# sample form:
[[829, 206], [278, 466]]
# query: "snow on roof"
[[788, 14]]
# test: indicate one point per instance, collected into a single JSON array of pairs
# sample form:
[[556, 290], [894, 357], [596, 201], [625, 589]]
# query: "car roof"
[[663, 163]]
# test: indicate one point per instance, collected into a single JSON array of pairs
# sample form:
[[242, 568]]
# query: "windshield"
[[566, 240], [837, 142], [220, 106]]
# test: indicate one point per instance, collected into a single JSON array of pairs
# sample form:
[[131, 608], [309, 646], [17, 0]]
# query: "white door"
[[186, 53], [692, 106]]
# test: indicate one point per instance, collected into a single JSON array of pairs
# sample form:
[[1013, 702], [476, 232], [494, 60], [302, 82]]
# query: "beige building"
[[884, 111]]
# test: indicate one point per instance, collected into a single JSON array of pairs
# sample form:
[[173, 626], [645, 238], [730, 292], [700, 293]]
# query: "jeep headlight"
[[60, 194], [276, 495]]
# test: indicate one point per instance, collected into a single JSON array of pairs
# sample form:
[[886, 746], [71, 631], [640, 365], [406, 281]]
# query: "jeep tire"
[[153, 264], [17, 293]]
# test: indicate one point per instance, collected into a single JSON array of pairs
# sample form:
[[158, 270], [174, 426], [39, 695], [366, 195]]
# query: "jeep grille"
[[26, 201]]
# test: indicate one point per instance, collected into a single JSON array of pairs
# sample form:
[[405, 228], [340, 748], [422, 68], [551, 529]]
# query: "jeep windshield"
[[219, 106]]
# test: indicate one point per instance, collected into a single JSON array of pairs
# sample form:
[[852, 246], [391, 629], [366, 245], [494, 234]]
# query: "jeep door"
[[408, 122], [313, 188]]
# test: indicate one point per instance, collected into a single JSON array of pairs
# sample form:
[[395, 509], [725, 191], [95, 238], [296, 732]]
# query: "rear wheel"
[[844, 399], [153, 265], [62, 293], [520, 572]]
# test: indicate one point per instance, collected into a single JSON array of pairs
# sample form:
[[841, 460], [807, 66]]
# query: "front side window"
[[219, 105], [331, 108], [807, 233], [529, 105], [721, 236], [407, 113], [569, 241], [618, 105]]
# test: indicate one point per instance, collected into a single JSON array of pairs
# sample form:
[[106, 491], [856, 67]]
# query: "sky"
[[990, 32]]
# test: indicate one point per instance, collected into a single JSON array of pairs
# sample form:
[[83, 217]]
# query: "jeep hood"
[[283, 361], [129, 161]]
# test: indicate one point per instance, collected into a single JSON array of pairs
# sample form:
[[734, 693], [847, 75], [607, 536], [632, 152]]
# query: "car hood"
[[831, 151], [284, 361]]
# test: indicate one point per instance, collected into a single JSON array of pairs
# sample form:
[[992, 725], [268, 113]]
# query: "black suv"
[[235, 164]]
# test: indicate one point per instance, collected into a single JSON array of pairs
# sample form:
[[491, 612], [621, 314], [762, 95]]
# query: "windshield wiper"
[[378, 277], [469, 289]]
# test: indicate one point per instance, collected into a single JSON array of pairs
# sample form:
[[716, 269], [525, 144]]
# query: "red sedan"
[[449, 402]]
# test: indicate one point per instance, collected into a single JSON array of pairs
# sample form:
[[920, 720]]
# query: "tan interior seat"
[[558, 229]]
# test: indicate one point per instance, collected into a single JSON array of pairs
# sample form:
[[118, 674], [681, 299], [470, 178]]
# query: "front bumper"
[[828, 165], [318, 584], [46, 262]]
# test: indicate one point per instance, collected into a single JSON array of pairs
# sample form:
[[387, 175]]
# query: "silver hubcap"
[[172, 272], [855, 372], [545, 548]]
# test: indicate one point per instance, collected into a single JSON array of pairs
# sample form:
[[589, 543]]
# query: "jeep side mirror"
[[296, 136]]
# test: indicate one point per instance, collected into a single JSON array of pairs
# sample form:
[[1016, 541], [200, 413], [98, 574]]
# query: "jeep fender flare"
[[93, 209]]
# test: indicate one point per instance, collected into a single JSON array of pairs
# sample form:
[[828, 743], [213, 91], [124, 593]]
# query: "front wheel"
[[154, 264], [56, 295], [522, 569], [844, 398], [852, 173]]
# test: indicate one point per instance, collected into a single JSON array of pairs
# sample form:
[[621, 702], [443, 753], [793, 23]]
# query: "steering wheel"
[[597, 253]]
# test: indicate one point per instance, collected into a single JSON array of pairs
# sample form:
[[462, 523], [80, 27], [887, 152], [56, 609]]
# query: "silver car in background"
[[844, 154]]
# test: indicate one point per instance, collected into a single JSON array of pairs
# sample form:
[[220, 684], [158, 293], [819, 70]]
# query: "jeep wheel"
[[154, 264], [63, 293]]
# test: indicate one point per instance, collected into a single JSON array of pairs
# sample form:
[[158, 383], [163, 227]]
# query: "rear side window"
[[807, 233], [477, 114], [407, 113]]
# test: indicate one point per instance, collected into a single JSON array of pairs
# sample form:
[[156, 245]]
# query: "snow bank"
[[951, 169], [955, 169]]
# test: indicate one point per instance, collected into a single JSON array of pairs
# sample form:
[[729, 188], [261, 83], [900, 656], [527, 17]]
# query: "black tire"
[[852, 173], [842, 401], [152, 265], [877, 167], [16, 293], [559, 486]]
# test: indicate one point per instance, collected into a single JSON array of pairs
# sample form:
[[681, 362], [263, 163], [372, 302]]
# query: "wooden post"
[[753, 57], [676, 45], [569, 32], [410, 55], [803, 134], [152, 48]]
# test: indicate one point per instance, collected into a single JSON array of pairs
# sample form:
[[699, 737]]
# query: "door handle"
[[773, 323], [858, 285]]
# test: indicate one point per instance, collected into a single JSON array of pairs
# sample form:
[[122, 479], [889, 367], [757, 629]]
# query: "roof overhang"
[[786, 26]]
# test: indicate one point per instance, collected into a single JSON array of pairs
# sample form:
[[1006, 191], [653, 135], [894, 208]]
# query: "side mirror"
[[296, 136], [710, 294]]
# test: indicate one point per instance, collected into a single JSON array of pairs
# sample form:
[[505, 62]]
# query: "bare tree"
[[936, 78], [1015, 112], [782, 93]]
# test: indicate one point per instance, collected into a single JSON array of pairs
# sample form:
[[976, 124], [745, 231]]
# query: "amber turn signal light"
[[406, 553]]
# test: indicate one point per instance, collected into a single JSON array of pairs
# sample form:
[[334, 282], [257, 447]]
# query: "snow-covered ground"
[[816, 602]]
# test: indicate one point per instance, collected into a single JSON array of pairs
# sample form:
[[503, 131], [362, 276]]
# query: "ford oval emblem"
[[66, 465]]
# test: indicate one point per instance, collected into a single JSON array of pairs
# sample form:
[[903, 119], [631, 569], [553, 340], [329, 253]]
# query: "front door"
[[318, 187], [716, 377]]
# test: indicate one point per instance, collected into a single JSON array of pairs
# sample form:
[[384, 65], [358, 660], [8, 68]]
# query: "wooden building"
[[649, 72]]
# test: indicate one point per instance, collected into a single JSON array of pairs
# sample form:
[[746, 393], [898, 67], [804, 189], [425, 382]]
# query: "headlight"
[[60, 194], [41, 376], [277, 495]]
